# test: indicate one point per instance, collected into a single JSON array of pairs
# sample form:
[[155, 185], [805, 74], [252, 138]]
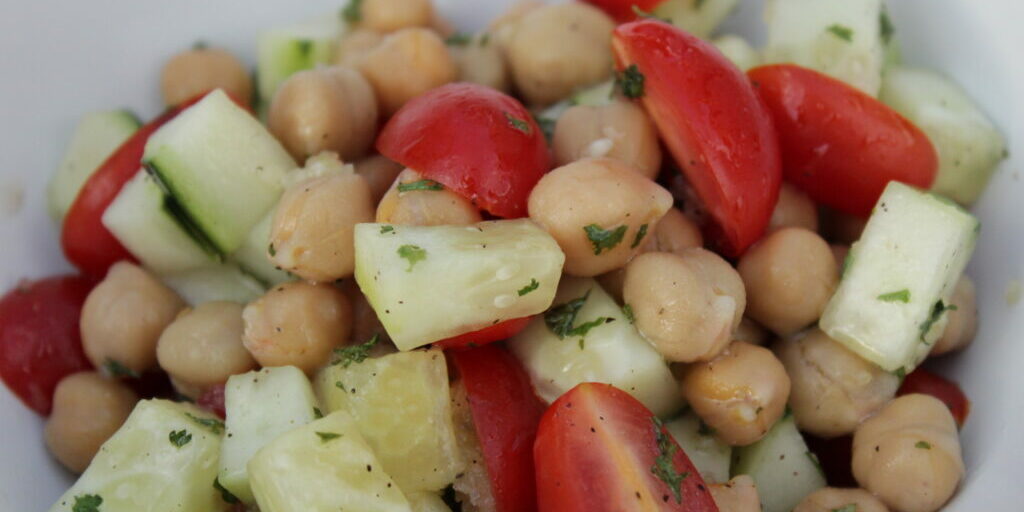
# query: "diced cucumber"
[[402, 407], [163, 459], [261, 405], [841, 38], [428, 283], [96, 136], [284, 51], [698, 17], [612, 352], [711, 456], [222, 166], [214, 282], [324, 466], [253, 256], [738, 51], [969, 146], [781, 465], [889, 307], [426, 502], [596, 95]]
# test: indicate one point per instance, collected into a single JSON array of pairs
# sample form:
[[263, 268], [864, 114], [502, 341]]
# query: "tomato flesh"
[[624, 10], [928, 383], [498, 332]]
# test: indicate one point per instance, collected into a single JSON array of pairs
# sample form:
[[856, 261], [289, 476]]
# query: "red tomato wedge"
[[838, 144], [927, 383], [624, 10], [213, 400], [505, 413], [713, 123], [39, 339], [498, 332], [478, 142], [599, 449]]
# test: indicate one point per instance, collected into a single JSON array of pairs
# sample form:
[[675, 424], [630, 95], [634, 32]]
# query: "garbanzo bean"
[[502, 27], [379, 172], [558, 48], [431, 207], [391, 15], [480, 61], [741, 393], [830, 499], [963, 321], [203, 346], [833, 388], [123, 317], [794, 209], [297, 324], [324, 109], [725, 281], [736, 495], [354, 46], [406, 64], [87, 410], [201, 70], [597, 210], [675, 232], [789, 277], [908, 454], [750, 332], [620, 129]]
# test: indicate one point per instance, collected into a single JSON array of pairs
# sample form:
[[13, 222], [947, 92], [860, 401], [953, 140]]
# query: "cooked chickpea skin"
[[558, 48], [789, 276], [794, 209], [312, 231], [122, 319], [725, 281], [354, 46], [736, 495], [379, 172], [620, 130], [201, 70], [365, 323], [424, 207], [480, 61], [406, 64], [502, 27], [830, 499], [596, 210], [87, 410], [750, 332], [908, 454], [740, 394], [963, 321], [392, 15], [833, 388], [324, 109], [203, 346], [297, 324]]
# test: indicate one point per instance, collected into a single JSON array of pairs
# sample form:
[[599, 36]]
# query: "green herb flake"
[[355, 354], [529, 288], [664, 468], [640, 13], [560, 318], [459, 39], [387, 229], [327, 436], [87, 503], [546, 125], [305, 47], [817, 464], [215, 426], [640, 234], [413, 254], [353, 12], [225, 494], [900, 373], [852, 507], [179, 438], [631, 82], [897, 296], [117, 370], [841, 31], [937, 311], [420, 185], [847, 263], [602, 239], [339, 384], [627, 310], [317, 413], [518, 124], [271, 250], [924, 445], [885, 26]]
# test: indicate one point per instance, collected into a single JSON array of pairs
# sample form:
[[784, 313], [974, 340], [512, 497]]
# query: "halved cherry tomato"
[[599, 449], [213, 400], [497, 332], [840, 145], [714, 124], [928, 383], [623, 10], [39, 339], [478, 142], [505, 413]]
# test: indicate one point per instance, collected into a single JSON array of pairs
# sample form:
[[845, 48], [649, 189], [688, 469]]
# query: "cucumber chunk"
[[284, 51], [595, 96], [221, 166], [738, 51], [782, 466], [324, 466], [214, 282], [261, 405], [710, 456], [970, 147], [253, 256], [402, 407], [612, 352], [96, 136], [142, 469], [698, 17], [890, 305], [431, 283], [426, 502]]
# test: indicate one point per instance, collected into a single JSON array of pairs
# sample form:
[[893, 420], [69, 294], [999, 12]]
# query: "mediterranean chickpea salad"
[[595, 256]]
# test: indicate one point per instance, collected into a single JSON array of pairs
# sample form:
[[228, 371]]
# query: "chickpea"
[[963, 321], [297, 324], [87, 410], [725, 281], [790, 276], [324, 109], [424, 207], [122, 319], [185, 389], [442, 26], [379, 172], [833, 388], [480, 61], [197, 71], [311, 235], [736, 495], [674, 233], [740, 394], [750, 332], [392, 15], [620, 129], [365, 324], [908, 454], [582, 202], [558, 48], [830, 499], [354, 46], [794, 209], [406, 64], [502, 27], [840, 228], [203, 346]]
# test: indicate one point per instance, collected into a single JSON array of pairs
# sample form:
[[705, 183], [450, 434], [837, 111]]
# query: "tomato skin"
[[497, 332], [927, 383], [622, 10], [506, 413], [595, 450], [840, 145], [714, 124], [464, 136], [213, 400], [40, 342]]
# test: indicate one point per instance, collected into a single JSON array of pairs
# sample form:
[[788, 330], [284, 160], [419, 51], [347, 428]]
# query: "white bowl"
[[64, 58]]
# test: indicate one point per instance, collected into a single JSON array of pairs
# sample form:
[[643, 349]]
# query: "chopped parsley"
[[271, 250], [458, 39], [604, 239], [317, 413], [664, 468], [420, 185], [327, 436], [640, 13], [387, 229], [225, 494], [817, 464], [353, 12], [529, 288], [631, 82], [215, 426], [900, 373], [413, 254], [937, 311], [847, 262], [117, 370], [841, 31], [897, 296], [640, 234], [924, 445], [87, 503], [305, 46], [582, 329], [628, 311], [339, 384], [180, 438], [885, 26], [852, 507], [354, 354], [518, 124], [547, 126]]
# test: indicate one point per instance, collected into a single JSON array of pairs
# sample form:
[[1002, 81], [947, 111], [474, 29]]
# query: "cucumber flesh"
[[595, 96], [214, 282], [426, 502], [698, 17], [783, 468], [738, 51], [284, 51], [253, 256], [709, 455]]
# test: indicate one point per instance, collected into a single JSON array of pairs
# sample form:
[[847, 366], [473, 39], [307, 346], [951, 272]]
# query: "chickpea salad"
[[595, 256]]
